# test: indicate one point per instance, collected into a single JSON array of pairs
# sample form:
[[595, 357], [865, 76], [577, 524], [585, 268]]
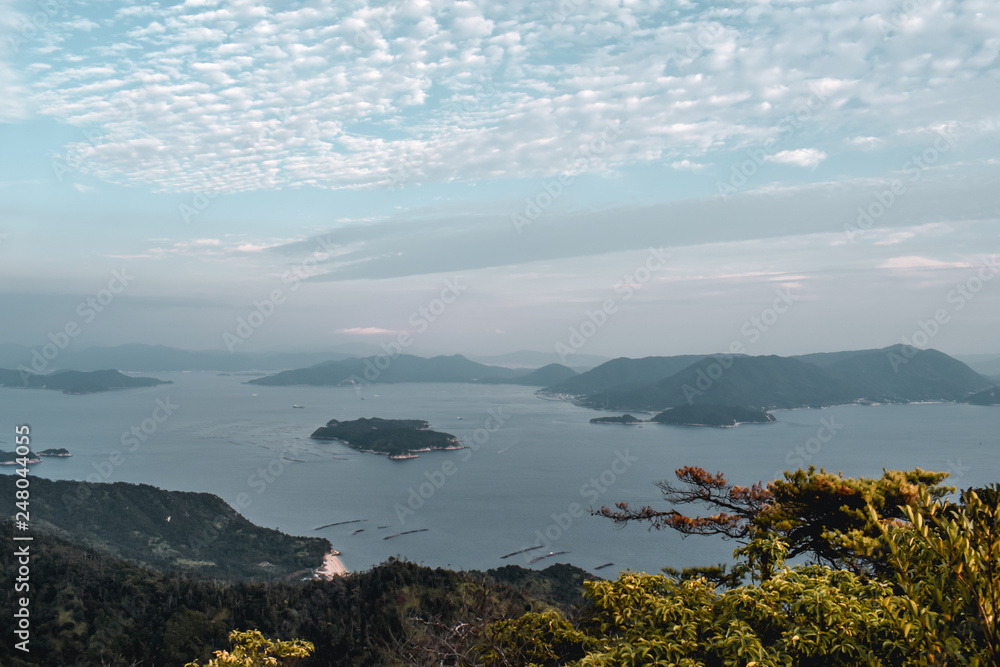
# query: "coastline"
[[331, 567]]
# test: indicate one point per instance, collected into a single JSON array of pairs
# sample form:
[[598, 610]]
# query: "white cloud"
[[365, 331], [800, 157], [918, 262], [210, 96]]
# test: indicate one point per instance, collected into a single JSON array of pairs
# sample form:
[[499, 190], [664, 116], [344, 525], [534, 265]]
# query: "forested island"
[[13, 458], [397, 438], [697, 415], [76, 382], [895, 374], [713, 415], [624, 419]]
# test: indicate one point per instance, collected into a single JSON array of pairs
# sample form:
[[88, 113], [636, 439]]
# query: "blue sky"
[[355, 157]]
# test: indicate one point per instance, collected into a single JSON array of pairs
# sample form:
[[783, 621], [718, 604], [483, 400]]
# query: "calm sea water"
[[522, 484]]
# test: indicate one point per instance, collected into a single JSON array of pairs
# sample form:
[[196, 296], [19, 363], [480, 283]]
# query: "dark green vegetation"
[[203, 536], [399, 438], [11, 458], [713, 415], [624, 419], [895, 374], [623, 372], [89, 608], [989, 396], [901, 577], [57, 451], [77, 382]]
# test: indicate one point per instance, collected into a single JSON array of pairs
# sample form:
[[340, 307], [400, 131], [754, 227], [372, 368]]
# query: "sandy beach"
[[332, 567]]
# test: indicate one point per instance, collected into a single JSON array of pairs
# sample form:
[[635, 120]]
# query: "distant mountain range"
[[76, 382], [409, 368], [891, 375], [154, 358]]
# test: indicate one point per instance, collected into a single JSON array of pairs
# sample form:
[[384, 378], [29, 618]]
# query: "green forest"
[[896, 570]]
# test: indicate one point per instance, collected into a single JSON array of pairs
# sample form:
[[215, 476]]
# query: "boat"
[[298, 406]]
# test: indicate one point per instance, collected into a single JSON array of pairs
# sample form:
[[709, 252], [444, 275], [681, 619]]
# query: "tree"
[[933, 601], [946, 561], [251, 649], [815, 512]]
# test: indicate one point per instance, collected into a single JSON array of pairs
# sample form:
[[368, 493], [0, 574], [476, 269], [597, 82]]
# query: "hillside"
[[93, 609], [989, 396], [622, 372], [203, 536], [886, 375], [760, 382], [540, 377], [890, 376], [385, 369], [77, 382]]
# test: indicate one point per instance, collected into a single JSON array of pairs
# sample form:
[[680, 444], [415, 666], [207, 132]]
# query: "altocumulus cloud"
[[216, 96]]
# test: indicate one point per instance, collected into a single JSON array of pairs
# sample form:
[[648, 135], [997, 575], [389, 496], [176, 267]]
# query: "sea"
[[533, 470]]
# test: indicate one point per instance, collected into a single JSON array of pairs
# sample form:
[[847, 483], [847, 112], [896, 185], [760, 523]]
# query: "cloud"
[[802, 157], [866, 143], [229, 97], [365, 331], [917, 262]]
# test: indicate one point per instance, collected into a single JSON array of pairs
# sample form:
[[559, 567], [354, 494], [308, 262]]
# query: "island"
[[713, 415], [399, 439], [12, 458], [989, 396], [77, 382], [59, 451], [624, 419]]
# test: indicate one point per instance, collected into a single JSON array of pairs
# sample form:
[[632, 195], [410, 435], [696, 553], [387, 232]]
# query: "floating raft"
[[548, 555], [514, 553], [405, 532], [339, 523]]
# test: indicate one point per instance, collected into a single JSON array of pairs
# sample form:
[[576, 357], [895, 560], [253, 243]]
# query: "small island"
[[77, 382], [713, 415], [59, 451], [399, 439], [12, 458], [989, 396], [624, 419]]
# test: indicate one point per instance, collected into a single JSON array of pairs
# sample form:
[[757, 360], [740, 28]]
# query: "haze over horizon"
[[481, 178]]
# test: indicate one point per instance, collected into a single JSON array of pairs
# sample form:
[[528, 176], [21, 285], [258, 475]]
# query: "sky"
[[620, 178]]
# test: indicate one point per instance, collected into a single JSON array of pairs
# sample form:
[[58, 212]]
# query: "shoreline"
[[331, 567]]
